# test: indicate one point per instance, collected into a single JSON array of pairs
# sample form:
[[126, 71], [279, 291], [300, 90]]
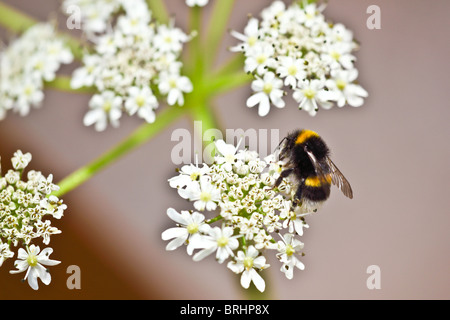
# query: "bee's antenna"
[[280, 143]]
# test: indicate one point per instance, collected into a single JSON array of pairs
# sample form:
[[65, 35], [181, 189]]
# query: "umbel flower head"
[[294, 49], [134, 62], [238, 215], [26, 64], [25, 209]]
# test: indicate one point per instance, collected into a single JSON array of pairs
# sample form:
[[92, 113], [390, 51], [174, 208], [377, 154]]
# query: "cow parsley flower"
[[33, 261], [303, 54], [134, 63], [25, 209], [237, 192], [26, 64]]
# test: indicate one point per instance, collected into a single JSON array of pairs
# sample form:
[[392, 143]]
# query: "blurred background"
[[394, 150]]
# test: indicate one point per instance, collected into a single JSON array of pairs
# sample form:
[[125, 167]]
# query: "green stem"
[[62, 83], [137, 138], [224, 83], [235, 63], [14, 20], [217, 27], [159, 10]]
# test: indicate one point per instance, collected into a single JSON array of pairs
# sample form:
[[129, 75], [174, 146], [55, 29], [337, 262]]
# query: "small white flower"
[[347, 92], [173, 85], [33, 262], [227, 154], [267, 90], [292, 220], [105, 107], [190, 227], [205, 194], [292, 70], [169, 39], [287, 250], [189, 174], [200, 3], [20, 160], [246, 263], [220, 239], [143, 102], [259, 57], [311, 94], [52, 205], [249, 38], [5, 252]]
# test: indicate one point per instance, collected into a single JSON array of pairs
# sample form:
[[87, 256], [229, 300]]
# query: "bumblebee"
[[306, 157]]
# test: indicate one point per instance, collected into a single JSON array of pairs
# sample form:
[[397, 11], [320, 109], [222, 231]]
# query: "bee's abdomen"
[[316, 188]]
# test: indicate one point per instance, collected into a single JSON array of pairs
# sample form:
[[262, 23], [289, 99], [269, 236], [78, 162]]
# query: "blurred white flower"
[[135, 58], [28, 62], [200, 3], [105, 108]]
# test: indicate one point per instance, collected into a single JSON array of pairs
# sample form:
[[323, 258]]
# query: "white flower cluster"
[[26, 64], [237, 190], [134, 62], [200, 3], [295, 49], [24, 207]]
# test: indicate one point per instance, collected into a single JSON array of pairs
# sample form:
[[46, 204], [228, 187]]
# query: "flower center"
[[309, 93], [251, 41], [192, 228], [194, 176], [335, 55], [289, 250], [222, 241], [292, 70], [341, 84], [268, 88], [205, 196], [229, 158], [32, 260], [107, 106], [172, 83], [248, 263], [140, 101], [261, 59]]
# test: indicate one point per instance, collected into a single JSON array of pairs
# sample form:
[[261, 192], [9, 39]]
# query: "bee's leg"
[[298, 196], [283, 174]]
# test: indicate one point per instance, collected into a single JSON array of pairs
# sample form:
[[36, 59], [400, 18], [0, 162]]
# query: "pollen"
[[32, 260], [192, 228], [222, 241]]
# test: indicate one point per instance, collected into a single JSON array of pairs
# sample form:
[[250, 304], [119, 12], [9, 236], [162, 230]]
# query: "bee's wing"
[[338, 179], [317, 166]]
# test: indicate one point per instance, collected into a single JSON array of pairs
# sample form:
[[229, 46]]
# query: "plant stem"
[[137, 138], [62, 83], [159, 10], [14, 20], [224, 83], [217, 28]]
